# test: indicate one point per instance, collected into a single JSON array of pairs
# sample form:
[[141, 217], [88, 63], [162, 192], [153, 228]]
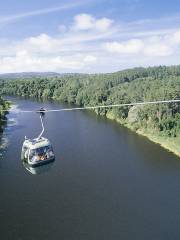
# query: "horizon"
[[81, 73], [80, 37]]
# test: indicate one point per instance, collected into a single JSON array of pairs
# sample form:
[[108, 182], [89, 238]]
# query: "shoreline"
[[167, 143]]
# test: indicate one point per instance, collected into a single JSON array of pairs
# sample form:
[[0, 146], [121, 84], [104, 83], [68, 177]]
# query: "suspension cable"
[[40, 135], [92, 107]]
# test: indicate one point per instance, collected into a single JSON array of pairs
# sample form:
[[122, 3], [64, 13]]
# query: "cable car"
[[37, 151]]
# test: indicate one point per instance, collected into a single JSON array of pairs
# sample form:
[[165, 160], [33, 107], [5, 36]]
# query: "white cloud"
[[103, 24], [83, 22], [24, 61], [176, 37], [42, 42], [129, 47], [90, 59], [158, 50], [88, 22], [155, 46]]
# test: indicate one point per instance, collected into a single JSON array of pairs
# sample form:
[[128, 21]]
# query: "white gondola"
[[38, 151]]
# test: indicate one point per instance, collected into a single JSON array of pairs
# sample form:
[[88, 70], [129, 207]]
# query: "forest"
[[127, 86]]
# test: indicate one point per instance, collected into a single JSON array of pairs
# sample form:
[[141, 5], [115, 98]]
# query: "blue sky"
[[88, 36]]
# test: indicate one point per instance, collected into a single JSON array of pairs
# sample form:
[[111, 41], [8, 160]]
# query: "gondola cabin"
[[38, 151]]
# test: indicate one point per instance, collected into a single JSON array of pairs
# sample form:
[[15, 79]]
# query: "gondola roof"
[[36, 143]]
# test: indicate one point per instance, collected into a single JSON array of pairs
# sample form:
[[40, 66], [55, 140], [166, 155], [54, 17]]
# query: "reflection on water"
[[7, 127], [15, 108], [3, 145], [3, 137], [39, 169]]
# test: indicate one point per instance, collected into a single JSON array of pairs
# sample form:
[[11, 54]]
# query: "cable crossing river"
[[96, 107]]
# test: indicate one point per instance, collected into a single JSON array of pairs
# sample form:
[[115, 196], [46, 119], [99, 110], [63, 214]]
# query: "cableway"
[[94, 107]]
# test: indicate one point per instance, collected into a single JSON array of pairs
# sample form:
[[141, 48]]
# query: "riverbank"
[[170, 144]]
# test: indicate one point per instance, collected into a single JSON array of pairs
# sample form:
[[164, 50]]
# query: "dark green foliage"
[[133, 85]]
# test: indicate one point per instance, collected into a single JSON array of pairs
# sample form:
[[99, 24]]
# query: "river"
[[106, 182]]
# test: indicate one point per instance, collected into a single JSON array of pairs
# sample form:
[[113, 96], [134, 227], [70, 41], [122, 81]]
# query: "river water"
[[106, 182]]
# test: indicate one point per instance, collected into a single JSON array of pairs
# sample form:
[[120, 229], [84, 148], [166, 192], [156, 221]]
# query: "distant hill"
[[124, 75], [32, 75]]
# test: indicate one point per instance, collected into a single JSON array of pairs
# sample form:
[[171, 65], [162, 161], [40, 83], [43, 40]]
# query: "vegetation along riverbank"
[[160, 123]]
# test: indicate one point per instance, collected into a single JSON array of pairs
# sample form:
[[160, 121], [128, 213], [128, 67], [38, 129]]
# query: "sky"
[[88, 36]]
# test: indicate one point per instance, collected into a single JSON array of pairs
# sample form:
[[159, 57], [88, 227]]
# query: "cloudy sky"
[[88, 35]]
